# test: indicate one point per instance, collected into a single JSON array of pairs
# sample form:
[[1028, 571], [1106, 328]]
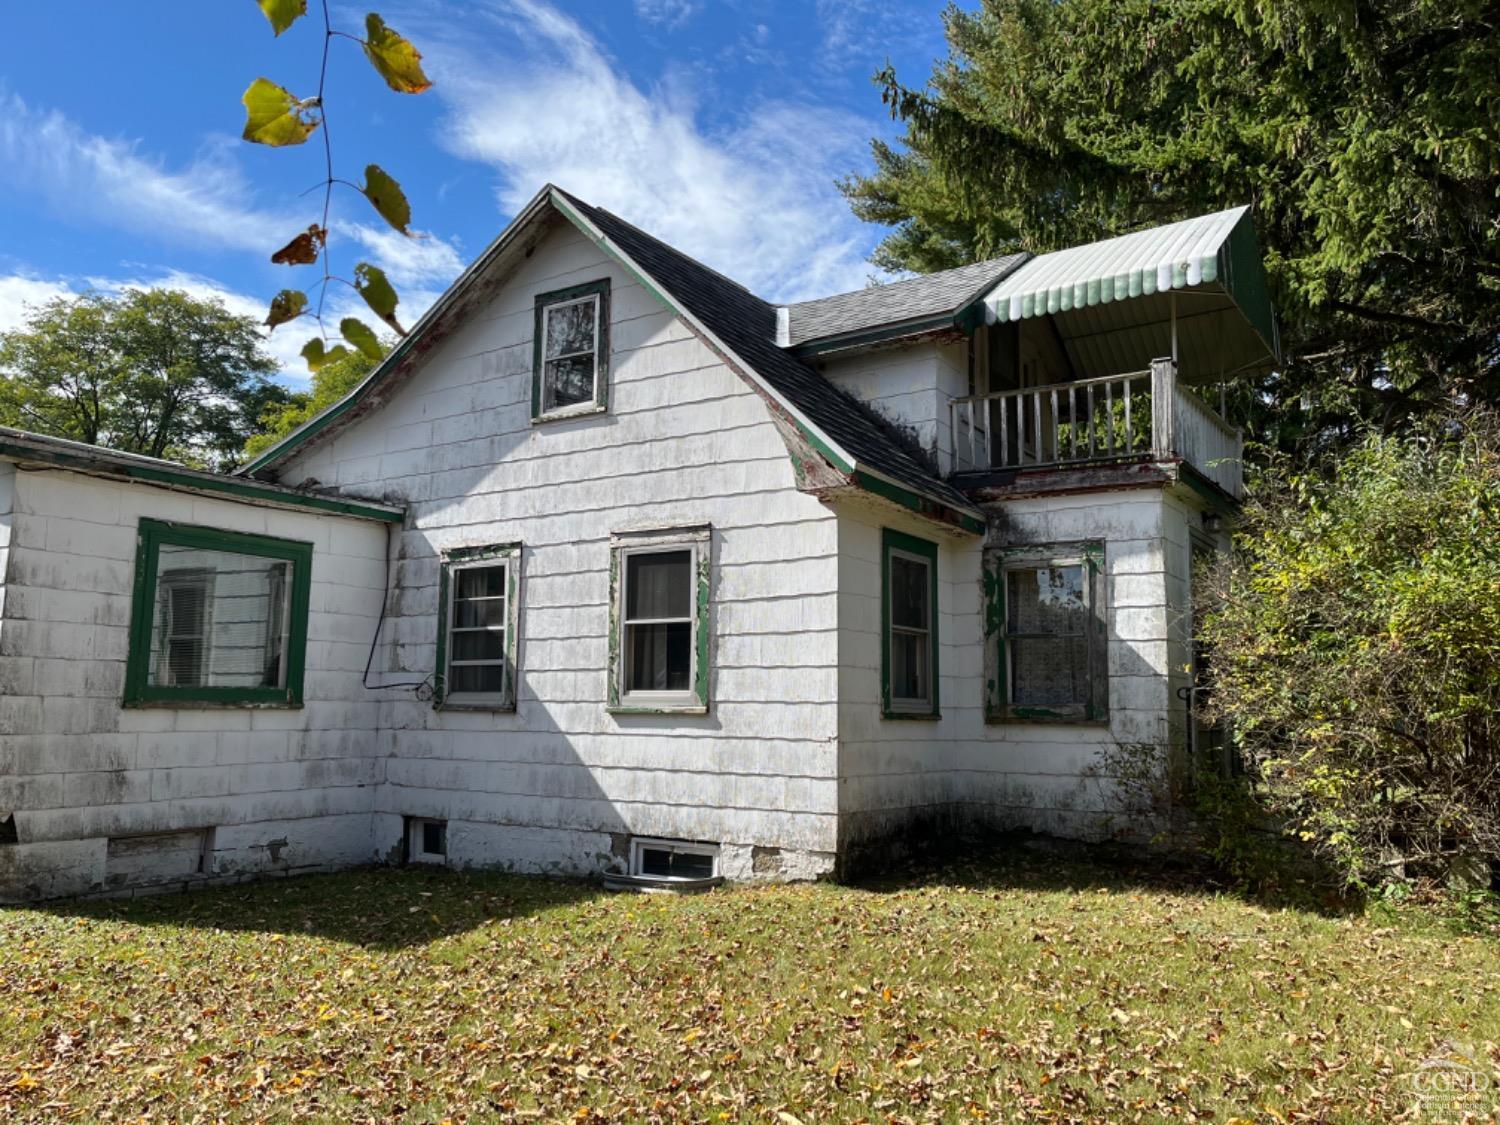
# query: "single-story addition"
[[613, 567]]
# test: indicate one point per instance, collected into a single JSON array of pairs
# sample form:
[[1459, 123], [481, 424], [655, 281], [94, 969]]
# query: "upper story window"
[[659, 621], [218, 617], [909, 650], [478, 595], [1049, 658], [570, 362]]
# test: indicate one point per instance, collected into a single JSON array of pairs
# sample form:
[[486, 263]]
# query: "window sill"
[[212, 704], [920, 716], [583, 410], [657, 709], [1030, 716], [476, 705]]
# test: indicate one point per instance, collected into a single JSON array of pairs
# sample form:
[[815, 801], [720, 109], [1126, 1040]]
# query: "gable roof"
[[746, 325], [909, 304], [736, 323]]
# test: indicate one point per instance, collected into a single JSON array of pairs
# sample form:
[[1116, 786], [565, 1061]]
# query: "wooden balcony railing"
[[1137, 415]]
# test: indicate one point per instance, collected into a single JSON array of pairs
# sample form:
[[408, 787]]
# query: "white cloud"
[[81, 173], [420, 260], [42, 151], [672, 13], [21, 293], [755, 200]]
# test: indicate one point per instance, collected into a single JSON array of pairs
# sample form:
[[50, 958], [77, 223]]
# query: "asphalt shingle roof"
[[747, 325], [896, 301]]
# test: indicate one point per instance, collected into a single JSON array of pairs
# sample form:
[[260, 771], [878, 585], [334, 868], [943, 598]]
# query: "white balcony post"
[[1163, 399]]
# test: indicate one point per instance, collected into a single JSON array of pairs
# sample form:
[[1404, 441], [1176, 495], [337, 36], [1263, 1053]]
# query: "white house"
[[613, 567]]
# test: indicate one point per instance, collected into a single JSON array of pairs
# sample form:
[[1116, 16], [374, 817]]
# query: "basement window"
[[673, 860], [659, 621], [426, 840], [909, 649], [478, 614], [217, 617], [1050, 655], [571, 352]]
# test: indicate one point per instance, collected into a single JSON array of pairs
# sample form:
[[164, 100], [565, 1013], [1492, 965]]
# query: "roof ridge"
[[916, 279]]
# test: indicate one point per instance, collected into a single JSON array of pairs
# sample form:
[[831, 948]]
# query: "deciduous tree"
[[158, 372]]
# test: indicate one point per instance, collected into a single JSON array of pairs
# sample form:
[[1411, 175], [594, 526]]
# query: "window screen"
[[1047, 626], [658, 619], [570, 352], [476, 634], [220, 621]]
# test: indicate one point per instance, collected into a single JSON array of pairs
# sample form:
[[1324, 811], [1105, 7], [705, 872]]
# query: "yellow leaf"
[[274, 117], [398, 62]]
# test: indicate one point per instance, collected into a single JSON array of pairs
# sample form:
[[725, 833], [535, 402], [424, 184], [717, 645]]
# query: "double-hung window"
[[571, 352], [218, 617], [659, 621], [479, 592], [909, 649], [1047, 657]]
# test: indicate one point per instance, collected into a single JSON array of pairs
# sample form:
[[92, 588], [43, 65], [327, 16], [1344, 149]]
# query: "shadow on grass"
[[1026, 862], [376, 907]]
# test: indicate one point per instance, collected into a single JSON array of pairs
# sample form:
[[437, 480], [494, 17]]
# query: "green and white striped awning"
[[1107, 296]]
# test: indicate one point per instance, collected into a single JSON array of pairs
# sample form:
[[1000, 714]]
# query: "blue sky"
[[719, 125]]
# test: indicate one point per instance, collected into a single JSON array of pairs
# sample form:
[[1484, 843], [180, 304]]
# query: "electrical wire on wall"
[[424, 687]]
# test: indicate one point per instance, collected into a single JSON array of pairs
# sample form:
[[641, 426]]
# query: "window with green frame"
[[217, 618], [570, 352], [479, 594], [908, 627], [658, 621], [1046, 645]]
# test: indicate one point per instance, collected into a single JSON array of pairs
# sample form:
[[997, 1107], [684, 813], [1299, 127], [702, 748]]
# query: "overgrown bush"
[[1355, 639]]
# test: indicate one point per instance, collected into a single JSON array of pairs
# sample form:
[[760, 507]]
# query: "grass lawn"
[[1035, 985]]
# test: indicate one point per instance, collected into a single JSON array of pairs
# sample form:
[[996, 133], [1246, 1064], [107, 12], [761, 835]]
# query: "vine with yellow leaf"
[[277, 117]]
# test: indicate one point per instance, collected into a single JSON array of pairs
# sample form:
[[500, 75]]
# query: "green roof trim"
[[79, 457]]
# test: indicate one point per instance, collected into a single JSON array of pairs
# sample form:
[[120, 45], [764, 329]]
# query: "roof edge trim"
[[837, 456], [102, 464], [319, 422]]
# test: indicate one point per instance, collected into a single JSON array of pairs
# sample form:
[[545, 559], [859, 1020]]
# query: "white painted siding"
[[960, 770], [557, 785], [281, 789], [909, 385]]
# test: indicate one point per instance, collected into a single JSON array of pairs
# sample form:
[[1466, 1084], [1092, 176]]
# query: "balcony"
[[1139, 416]]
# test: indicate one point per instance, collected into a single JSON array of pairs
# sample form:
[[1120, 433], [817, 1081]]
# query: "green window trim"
[[459, 558], [600, 400], [151, 536], [998, 707], [927, 552], [693, 701]]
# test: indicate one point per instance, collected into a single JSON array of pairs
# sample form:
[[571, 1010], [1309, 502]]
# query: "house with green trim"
[[614, 568]]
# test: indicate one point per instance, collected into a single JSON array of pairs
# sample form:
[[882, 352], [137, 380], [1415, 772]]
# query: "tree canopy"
[[331, 381], [1364, 135], [158, 372]]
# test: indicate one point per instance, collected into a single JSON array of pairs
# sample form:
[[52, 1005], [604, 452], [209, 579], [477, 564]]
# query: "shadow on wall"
[[378, 908]]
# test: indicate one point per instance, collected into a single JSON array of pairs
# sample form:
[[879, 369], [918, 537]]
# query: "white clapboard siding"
[[684, 441], [77, 768], [964, 771]]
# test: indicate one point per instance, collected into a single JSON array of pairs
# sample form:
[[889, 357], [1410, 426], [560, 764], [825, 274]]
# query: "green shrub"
[[1355, 640]]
